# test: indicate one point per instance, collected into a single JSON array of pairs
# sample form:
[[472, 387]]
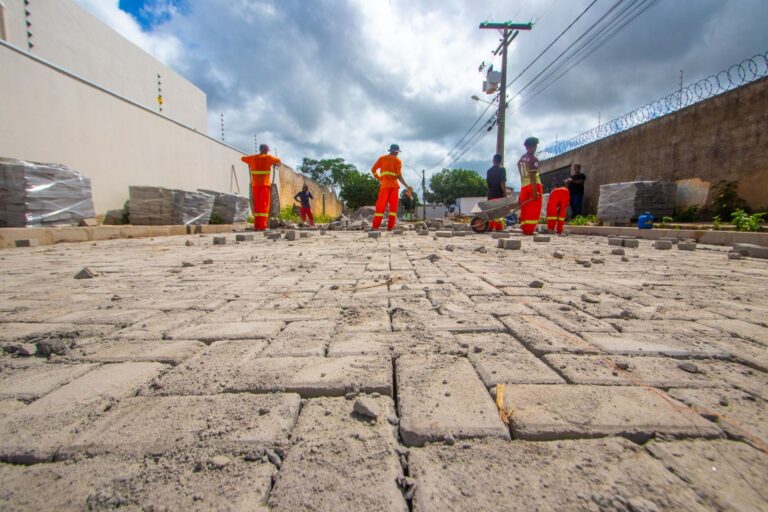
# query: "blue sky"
[[150, 13]]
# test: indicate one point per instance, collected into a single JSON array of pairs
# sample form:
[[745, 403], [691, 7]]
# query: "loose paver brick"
[[169, 424], [513, 368], [637, 343], [542, 336], [168, 352], [561, 411], [728, 475], [315, 376], [106, 482], [594, 474], [441, 398], [37, 380], [341, 457]]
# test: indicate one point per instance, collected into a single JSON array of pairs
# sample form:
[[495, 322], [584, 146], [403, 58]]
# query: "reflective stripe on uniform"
[[260, 172], [552, 218], [561, 218], [261, 215], [378, 214], [389, 174], [529, 222], [393, 214]]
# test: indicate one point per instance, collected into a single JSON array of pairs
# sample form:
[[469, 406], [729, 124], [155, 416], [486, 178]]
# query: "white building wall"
[[48, 115], [73, 39]]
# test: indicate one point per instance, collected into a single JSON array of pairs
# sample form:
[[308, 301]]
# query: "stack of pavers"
[[156, 206], [228, 208], [37, 194], [621, 203]]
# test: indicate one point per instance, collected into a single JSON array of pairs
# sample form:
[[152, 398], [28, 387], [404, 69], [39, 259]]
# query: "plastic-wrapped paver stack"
[[621, 203], [156, 206], [229, 208], [40, 195]]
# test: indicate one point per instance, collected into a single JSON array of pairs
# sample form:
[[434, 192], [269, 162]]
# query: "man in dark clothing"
[[305, 211], [576, 189], [496, 177]]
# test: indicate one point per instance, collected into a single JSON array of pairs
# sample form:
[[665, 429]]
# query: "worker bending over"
[[530, 191], [390, 173], [305, 210], [559, 198], [260, 167]]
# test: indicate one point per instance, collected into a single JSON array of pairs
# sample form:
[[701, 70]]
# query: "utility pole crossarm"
[[507, 25]]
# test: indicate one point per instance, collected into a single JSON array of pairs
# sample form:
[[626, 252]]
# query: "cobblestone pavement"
[[342, 372]]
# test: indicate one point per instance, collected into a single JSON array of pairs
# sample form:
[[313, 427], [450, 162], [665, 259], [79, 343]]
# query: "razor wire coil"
[[735, 76]]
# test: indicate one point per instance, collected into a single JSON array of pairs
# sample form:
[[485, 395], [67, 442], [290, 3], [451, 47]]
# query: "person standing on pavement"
[[260, 167], [576, 189], [496, 178], [390, 176], [305, 210], [531, 190], [557, 205]]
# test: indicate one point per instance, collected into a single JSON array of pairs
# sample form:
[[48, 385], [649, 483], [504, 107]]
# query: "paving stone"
[[572, 319], [365, 320], [43, 428], [650, 371], [751, 250], [631, 244], [210, 371], [219, 240], [168, 352], [243, 238], [561, 411], [740, 329], [304, 338], [107, 482], [637, 343], [513, 368], [340, 457], [511, 244], [171, 424], [35, 381], [13, 331], [542, 336], [26, 243], [441, 397], [686, 246], [496, 236], [374, 234], [359, 344], [615, 241], [315, 376], [9, 406], [741, 415], [664, 245], [541, 238], [728, 475], [227, 331], [594, 474], [444, 234]]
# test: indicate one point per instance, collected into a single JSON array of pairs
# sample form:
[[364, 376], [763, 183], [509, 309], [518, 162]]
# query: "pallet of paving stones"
[[157, 206], [228, 208], [42, 194], [624, 202]]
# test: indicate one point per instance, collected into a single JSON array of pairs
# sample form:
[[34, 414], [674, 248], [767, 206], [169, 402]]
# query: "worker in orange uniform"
[[390, 173], [531, 190], [559, 199], [260, 167]]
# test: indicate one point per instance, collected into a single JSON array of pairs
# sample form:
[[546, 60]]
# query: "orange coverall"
[[531, 210], [559, 199], [260, 167], [390, 169]]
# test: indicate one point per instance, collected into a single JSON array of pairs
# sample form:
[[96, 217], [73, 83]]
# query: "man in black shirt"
[[305, 210], [576, 189], [496, 177]]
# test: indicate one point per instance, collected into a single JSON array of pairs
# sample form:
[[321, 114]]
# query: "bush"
[[690, 214], [289, 214], [726, 199], [584, 220], [746, 222]]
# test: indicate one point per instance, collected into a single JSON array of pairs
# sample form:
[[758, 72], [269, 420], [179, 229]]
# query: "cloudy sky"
[[345, 78]]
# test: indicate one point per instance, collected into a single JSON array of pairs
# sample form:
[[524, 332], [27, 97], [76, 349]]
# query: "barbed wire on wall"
[[735, 76]]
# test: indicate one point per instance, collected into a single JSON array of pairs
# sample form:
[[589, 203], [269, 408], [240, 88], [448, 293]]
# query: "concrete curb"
[[700, 236], [50, 236]]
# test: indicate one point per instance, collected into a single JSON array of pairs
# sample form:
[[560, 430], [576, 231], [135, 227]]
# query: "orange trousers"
[[557, 205], [387, 195], [495, 225], [530, 211], [262, 195]]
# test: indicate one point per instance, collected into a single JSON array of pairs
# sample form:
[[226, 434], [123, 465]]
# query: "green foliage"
[[330, 172], [726, 199], [215, 219], [449, 184], [690, 214], [717, 222], [357, 189], [666, 220], [289, 214], [249, 220], [746, 222], [584, 220]]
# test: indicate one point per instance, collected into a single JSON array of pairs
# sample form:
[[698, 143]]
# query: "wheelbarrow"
[[486, 211]]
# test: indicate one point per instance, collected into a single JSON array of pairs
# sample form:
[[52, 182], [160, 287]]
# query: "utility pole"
[[510, 33], [423, 196]]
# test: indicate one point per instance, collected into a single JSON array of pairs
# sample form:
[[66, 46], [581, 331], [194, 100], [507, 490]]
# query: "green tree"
[[329, 172], [357, 189], [449, 184]]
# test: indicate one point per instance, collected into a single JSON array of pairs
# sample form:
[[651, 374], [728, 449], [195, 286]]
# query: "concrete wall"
[[48, 115], [72, 39], [289, 182], [722, 138]]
